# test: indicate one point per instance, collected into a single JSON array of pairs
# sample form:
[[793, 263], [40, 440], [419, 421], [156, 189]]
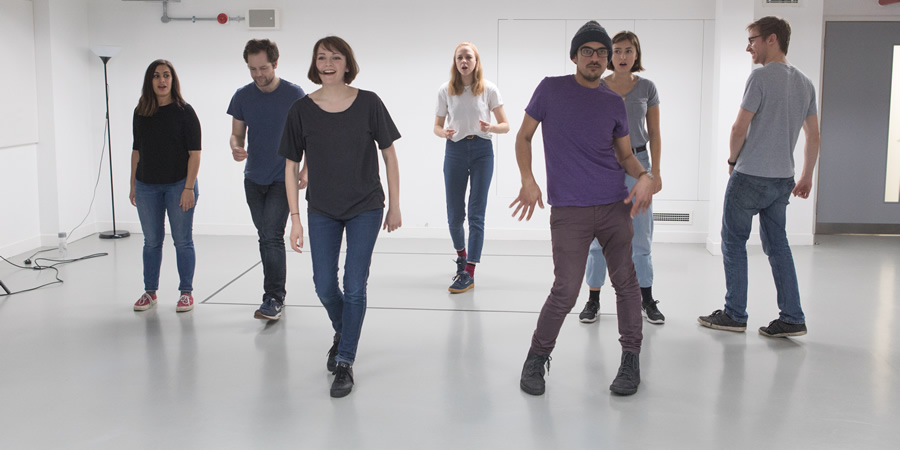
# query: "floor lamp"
[[105, 53]]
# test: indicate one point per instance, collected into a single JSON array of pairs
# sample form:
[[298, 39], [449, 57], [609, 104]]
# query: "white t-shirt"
[[464, 111]]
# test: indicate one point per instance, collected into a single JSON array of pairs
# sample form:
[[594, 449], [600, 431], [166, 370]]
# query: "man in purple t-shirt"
[[588, 152]]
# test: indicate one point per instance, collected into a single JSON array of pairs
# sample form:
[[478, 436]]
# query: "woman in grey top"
[[642, 104]]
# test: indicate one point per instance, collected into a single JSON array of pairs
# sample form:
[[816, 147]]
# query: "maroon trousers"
[[572, 229]]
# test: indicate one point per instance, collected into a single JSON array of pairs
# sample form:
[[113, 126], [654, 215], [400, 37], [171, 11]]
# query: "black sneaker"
[[591, 312], [651, 312], [460, 265], [270, 309], [343, 380], [780, 328], [532, 380], [718, 320], [331, 364], [629, 376]]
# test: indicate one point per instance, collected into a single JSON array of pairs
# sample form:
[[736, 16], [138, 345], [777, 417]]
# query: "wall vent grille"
[[782, 2], [673, 218]]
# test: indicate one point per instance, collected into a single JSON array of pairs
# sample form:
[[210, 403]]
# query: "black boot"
[[343, 380], [629, 376]]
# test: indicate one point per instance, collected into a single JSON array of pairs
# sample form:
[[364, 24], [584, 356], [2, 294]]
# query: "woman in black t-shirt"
[[164, 166], [336, 129]]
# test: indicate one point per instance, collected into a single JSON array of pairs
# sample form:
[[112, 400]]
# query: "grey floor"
[[80, 369]]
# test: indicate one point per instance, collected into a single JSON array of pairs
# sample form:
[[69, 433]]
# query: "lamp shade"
[[105, 51]]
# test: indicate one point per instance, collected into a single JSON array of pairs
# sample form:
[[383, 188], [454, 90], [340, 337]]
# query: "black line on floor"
[[393, 308], [232, 281]]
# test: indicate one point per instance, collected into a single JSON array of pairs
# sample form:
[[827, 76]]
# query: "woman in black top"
[[164, 166], [336, 129]]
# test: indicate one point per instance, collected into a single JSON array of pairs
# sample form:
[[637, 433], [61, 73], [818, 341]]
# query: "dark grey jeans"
[[572, 229]]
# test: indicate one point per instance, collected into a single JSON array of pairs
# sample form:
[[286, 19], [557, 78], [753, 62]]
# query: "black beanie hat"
[[591, 32]]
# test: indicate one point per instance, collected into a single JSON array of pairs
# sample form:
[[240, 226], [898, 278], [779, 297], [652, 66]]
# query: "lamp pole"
[[115, 233]]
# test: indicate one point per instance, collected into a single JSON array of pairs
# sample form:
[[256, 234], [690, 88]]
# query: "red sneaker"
[[146, 302], [185, 303]]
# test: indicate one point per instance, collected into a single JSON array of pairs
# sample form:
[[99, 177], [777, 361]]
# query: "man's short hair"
[[773, 25], [255, 46]]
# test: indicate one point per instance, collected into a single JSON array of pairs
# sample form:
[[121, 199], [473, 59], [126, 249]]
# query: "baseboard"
[[857, 228], [714, 245], [22, 246]]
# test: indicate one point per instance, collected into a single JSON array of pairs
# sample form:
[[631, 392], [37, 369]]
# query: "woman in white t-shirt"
[[463, 118]]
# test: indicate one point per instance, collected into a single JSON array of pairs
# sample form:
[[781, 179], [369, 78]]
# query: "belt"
[[471, 136], [640, 149]]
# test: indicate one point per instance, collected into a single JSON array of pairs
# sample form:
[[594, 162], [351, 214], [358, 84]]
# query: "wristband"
[[188, 189], [295, 214], [731, 163]]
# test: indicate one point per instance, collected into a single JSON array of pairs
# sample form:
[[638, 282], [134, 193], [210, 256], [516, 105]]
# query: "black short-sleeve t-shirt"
[[340, 152], [163, 141]]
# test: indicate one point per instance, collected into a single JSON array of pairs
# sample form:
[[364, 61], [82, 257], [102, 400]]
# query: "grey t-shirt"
[[781, 98], [642, 96]]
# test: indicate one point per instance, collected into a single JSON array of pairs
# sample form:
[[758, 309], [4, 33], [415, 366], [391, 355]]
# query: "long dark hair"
[[148, 104]]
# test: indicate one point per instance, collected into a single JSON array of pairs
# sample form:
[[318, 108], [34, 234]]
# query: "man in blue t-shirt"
[[778, 101], [587, 152], [261, 108]]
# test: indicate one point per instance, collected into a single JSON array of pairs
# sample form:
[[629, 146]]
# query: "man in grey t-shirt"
[[778, 101]]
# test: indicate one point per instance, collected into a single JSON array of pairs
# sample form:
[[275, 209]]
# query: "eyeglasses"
[[751, 38], [587, 52]]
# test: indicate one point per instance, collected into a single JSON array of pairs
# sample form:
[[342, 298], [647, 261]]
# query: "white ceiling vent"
[[781, 2]]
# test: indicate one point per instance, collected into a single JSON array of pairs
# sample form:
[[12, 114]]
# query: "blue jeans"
[[154, 201], [269, 211], [640, 243], [746, 196], [464, 160], [346, 309]]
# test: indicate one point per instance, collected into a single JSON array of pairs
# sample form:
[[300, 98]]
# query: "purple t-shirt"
[[579, 125]]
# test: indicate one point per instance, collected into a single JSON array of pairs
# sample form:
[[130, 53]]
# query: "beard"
[[591, 77], [264, 82]]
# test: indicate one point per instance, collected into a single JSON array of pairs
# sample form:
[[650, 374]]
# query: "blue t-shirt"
[[264, 113], [579, 125]]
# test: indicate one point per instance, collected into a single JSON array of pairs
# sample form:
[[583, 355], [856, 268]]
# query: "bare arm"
[[530, 193], [655, 145], [392, 220], [187, 195], [291, 180], [439, 129], [810, 155], [502, 125], [642, 193], [738, 135], [135, 157], [238, 134]]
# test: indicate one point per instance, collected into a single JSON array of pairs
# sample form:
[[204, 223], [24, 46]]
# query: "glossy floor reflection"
[[80, 369]]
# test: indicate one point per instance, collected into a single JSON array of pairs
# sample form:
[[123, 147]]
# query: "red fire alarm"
[[222, 18]]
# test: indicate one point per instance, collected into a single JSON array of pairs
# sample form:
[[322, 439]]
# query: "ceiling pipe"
[[221, 18]]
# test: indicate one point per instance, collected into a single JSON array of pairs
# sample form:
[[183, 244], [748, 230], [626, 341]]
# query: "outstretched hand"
[[529, 195]]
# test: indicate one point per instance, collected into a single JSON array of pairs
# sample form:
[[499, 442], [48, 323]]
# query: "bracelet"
[[295, 214], [188, 189], [731, 163]]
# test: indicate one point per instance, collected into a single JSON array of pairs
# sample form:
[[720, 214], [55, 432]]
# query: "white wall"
[[403, 47], [19, 226], [404, 54]]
